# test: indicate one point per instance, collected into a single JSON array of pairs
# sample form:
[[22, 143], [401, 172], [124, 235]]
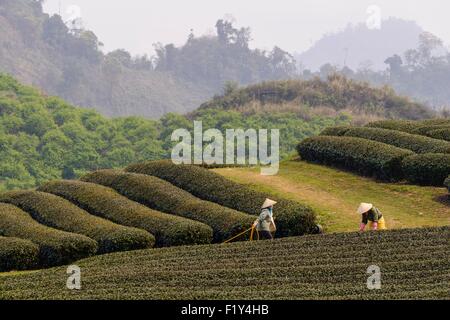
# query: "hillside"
[[311, 267], [135, 208], [73, 66], [36, 131], [44, 138], [333, 95], [335, 194]]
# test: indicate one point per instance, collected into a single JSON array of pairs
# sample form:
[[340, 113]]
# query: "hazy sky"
[[291, 24]]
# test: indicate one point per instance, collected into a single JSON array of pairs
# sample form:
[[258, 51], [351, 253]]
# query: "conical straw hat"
[[268, 203], [364, 207]]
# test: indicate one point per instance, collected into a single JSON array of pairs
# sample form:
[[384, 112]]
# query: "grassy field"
[[415, 263], [330, 266], [335, 195]]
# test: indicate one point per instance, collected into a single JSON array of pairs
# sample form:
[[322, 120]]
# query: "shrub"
[[415, 264], [416, 143], [360, 155], [443, 134], [55, 247], [399, 125], [335, 131], [104, 202], [424, 130], [435, 122], [61, 214], [292, 218], [417, 127], [427, 169], [161, 195], [17, 254]]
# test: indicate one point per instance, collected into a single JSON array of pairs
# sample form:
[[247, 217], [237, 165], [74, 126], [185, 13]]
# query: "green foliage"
[[43, 138], [61, 214], [161, 195], [424, 129], [433, 128], [292, 218], [328, 267], [427, 169], [415, 143], [17, 254], [442, 134], [31, 156], [293, 127], [55, 247], [335, 131], [363, 156], [414, 127], [169, 230]]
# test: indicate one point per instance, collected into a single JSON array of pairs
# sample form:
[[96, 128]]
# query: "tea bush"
[[443, 134], [61, 214], [400, 125], [335, 131], [18, 254], [416, 143], [415, 265], [104, 202], [410, 126], [55, 247], [427, 169], [292, 218], [161, 195], [363, 156]]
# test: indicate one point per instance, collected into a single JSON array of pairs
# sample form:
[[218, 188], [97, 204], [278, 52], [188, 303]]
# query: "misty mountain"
[[358, 46], [42, 51]]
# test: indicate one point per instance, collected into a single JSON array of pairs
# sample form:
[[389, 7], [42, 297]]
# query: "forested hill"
[[42, 51], [44, 138], [335, 94]]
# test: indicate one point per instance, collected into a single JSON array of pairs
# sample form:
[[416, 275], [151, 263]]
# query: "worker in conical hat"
[[371, 217], [265, 224]]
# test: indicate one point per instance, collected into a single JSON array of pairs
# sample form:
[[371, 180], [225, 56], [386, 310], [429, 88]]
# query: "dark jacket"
[[373, 215]]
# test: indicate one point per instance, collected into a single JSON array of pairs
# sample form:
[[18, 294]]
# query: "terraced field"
[[414, 264], [114, 210], [108, 222], [386, 150]]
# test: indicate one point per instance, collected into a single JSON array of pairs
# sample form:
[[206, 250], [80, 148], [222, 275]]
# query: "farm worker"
[[371, 216], [265, 223]]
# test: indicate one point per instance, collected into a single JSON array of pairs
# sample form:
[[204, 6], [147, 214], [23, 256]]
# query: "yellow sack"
[[381, 224]]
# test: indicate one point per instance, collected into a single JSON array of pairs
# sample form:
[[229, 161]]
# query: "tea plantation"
[[154, 230], [388, 150], [414, 264], [113, 210]]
